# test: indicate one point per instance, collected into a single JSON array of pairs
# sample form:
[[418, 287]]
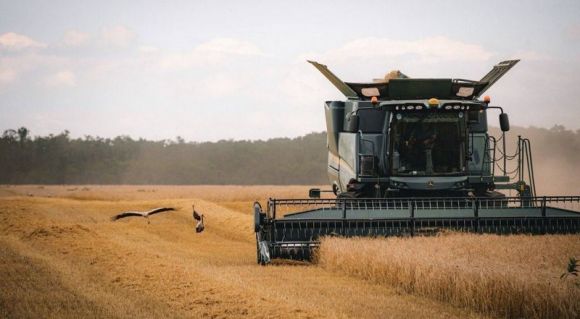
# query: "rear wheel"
[[348, 195], [346, 198]]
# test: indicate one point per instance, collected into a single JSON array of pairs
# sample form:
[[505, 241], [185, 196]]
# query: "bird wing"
[[158, 210], [196, 215], [126, 214]]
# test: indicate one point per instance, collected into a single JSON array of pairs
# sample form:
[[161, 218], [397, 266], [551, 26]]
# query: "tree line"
[[61, 159]]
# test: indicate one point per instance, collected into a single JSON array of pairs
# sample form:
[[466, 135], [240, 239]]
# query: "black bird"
[[142, 214], [199, 227]]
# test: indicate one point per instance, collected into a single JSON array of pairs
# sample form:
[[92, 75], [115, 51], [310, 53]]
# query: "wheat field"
[[505, 276], [61, 256]]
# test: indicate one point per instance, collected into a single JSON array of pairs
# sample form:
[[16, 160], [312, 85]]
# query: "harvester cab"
[[408, 156], [403, 137]]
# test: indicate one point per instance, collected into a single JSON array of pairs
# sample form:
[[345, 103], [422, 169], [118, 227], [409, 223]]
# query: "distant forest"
[[60, 159]]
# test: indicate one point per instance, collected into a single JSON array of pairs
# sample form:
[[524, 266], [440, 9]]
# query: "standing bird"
[[142, 214], [199, 227]]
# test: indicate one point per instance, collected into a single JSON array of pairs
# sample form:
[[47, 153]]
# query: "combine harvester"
[[413, 156]]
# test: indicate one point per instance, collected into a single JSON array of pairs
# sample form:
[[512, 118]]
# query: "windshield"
[[428, 143]]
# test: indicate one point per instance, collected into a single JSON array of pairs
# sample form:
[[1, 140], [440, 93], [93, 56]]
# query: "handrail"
[[524, 170], [525, 159], [491, 158]]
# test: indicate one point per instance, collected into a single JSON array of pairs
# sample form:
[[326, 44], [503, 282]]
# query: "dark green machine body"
[[412, 156], [420, 137]]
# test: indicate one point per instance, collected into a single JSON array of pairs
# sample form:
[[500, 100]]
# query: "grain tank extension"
[[413, 156]]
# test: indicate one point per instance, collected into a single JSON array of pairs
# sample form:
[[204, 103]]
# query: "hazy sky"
[[209, 70]]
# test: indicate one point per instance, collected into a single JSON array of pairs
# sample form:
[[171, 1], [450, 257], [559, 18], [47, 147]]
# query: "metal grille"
[[295, 237], [281, 207]]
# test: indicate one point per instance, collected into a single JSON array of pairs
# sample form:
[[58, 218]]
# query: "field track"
[[61, 256]]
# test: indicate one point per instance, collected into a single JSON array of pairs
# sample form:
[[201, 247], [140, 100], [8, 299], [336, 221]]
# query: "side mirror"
[[353, 123], [504, 122], [314, 193]]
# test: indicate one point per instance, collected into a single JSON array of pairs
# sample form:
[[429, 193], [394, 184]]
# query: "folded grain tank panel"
[[413, 156]]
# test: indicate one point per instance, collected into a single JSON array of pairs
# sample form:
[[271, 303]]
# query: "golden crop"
[[506, 276], [61, 256]]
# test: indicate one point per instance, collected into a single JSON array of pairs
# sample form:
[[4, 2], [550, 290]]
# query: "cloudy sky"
[[210, 70]]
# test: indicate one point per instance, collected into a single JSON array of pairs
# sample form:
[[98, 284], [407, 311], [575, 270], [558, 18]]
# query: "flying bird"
[[142, 214], [199, 227]]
